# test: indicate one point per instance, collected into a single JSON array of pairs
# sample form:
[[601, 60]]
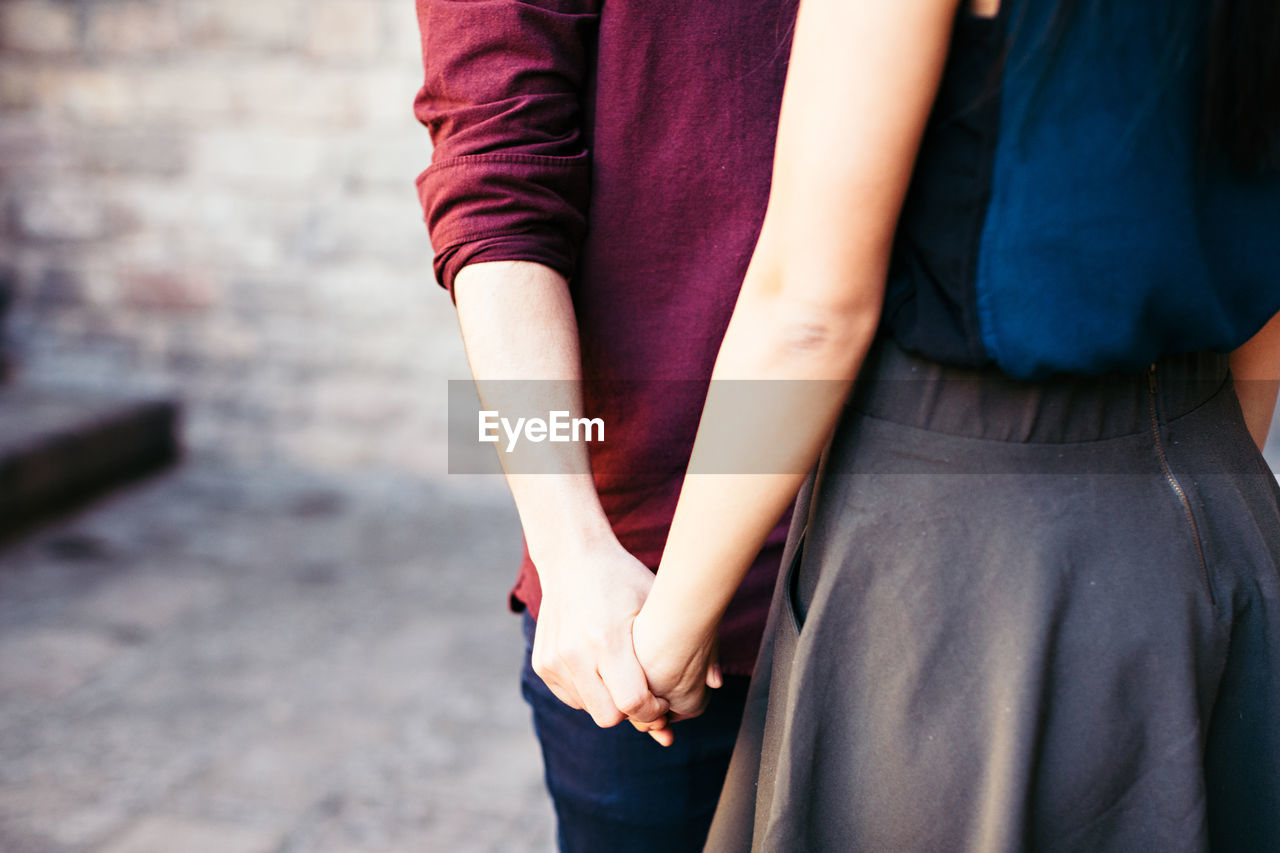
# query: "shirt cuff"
[[505, 206], [549, 250]]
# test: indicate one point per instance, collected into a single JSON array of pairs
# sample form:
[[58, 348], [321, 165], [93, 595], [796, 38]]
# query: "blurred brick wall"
[[215, 198]]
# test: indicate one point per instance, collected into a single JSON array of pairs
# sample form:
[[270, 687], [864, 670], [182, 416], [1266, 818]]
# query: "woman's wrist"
[[675, 629], [673, 658]]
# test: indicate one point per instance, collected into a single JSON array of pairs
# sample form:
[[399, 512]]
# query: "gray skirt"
[[1022, 616]]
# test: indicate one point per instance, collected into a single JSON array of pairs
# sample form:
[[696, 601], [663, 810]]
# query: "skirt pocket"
[[796, 604]]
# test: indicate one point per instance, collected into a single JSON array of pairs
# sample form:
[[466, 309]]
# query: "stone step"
[[61, 449]]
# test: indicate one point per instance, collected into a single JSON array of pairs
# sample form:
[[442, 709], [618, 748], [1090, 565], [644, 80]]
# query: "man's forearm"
[[518, 324]]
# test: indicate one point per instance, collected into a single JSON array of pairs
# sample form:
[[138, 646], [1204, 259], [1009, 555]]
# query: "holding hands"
[[598, 649], [583, 645]]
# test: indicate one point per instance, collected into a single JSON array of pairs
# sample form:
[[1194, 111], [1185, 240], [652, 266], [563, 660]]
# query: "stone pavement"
[[268, 661]]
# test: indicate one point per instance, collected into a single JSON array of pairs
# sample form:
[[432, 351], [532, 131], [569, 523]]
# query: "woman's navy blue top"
[[1064, 215]]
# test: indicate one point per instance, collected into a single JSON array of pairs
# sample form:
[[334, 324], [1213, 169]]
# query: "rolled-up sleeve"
[[502, 98]]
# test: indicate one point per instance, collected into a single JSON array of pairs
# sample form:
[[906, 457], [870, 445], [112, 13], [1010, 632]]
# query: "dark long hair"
[[1240, 108]]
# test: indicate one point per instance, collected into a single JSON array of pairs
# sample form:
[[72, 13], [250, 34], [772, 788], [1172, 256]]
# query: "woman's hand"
[[679, 670]]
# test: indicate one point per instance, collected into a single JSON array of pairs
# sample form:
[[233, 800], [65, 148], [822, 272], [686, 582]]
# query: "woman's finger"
[[715, 677], [656, 729], [664, 737]]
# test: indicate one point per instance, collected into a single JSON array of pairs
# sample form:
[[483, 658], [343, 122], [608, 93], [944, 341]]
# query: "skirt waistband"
[[905, 388]]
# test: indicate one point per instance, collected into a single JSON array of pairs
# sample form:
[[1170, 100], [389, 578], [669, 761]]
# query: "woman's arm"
[[1256, 370], [862, 80]]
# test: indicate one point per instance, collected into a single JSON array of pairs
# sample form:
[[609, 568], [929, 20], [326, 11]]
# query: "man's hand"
[[583, 648]]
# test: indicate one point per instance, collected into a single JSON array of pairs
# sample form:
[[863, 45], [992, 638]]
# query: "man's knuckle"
[[575, 658], [633, 703], [546, 668]]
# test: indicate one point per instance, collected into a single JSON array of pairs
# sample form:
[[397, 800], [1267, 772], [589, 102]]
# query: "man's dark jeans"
[[617, 790]]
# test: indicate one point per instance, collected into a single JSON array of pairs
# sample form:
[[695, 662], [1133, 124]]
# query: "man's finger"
[[556, 682], [564, 694], [598, 702], [548, 666], [630, 692]]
